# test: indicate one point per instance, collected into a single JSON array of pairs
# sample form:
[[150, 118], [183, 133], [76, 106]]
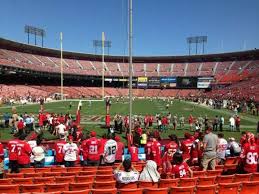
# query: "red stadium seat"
[[104, 178], [225, 178], [104, 172], [104, 191], [250, 187], [74, 169], [105, 168], [182, 190], [231, 160], [127, 186], [9, 188], [163, 183], [64, 179], [87, 191], [105, 185], [6, 181], [56, 192], [14, 175], [32, 175], [219, 167], [80, 186], [230, 168], [206, 189], [255, 176], [228, 188], [47, 169], [22, 181], [58, 169], [199, 173], [185, 182], [131, 191], [89, 178], [242, 177], [214, 172], [90, 168], [44, 180], [51, 174], [57, 187], [156, 190], [143, 184], [27, 170], [210, 180], [86, 173], [32, 188], [69, 173]]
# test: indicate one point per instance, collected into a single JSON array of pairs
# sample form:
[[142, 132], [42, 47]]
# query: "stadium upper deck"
[[226, 67]]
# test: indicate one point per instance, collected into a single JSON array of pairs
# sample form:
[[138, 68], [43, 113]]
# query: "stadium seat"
[[86, 191], [185, 182], [206, 189], [89, 178], [131, 191], [242, 177], [230, 168], [43, 169], [6, 181], [144, 184], [250, 187], [255, 176], [182, 190], [90, 168], [228, 188], [225, 178], [51, 174], [104, 178], [214, 172], [74, 169], [231, 160], [32, 175], [84, 173], [156, 191], [58, 169], [22, 181], [64, 179], [105, 185], [80, 186], [104, 172], [210, 180], [32, 188], [69, 173], [43, 180], [14, 175], [219, 167], [27, 170], [127, 186], [104, 191], [57, 187], [56, 192], [138, 167], [199, 173], [168, 183], [9, 188]]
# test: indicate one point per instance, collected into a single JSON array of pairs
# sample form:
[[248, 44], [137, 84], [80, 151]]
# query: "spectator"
[[143, 140], [221, 123], [129, 175], [13, 155], [237, 123], [257, 129], [148, 146], [221, 149], [60, 130], [180, 169], [6, 117], [150, 173], [110, 149], [133, 151], [210, 148], [39, 155], [70, 151], [235, 149], [186, 145], [24, 152], [190, 121], [20, 127], [215, 123], [175, 122], [92, 147], [120, 150], [181, 121], [156, 152], [232, 123], [1, 161], [58, 148]]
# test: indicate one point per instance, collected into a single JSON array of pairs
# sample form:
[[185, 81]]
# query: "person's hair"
[[22, 137], [127, 164], [38, 142], [220, 135], [177, 158], [243, 133], [104, 136], [174, 138]]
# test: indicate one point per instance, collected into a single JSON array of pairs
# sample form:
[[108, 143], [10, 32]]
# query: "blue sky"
[[160, 26]]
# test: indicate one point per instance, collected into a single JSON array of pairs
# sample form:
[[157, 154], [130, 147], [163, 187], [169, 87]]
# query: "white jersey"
[[61, 129], [222, 145], [110, 149], [70, 150], [126, 177]]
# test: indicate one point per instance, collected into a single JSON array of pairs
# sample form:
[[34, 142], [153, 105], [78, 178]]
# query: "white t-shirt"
[[232, 121], [222, 145], [70, 150], [32, 144], [110, 149], [126, 177], [61, 128], [38, 153], [234, 145]]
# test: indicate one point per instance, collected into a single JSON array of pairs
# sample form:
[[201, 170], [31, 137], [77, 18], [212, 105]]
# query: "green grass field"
[[92, 114]]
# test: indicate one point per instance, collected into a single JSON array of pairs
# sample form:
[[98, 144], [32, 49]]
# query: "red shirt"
[[133, 150], [24, 152], [20, 125], [79, 135], [171, 147], [93, 147], [186, 148], [243, 140], [1, 152], [166, 161], [41, 117], [119, 152], [148, 150], [12, 147], [102, 143], [190, 120], [180, 171], [156, 152], [250, 155], [164, 121], [58, 147]]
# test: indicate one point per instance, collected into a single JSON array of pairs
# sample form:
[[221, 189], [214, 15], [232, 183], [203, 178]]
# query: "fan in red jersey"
[[13, 157], [93, 149], [186, 145], [58, 147], [1, 161], [180, 169], [133, 151], [24, 152], [120, 150], [156, 152], [148, 148], [249, 154]]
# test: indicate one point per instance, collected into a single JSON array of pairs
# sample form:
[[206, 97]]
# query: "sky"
[[160, 27]]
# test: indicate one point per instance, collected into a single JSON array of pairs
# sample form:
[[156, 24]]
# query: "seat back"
[[74, 169], [199, 173], [43, 180], [64, 179], [206, 189], [210, 180], [231, 188], [58, 169], [156, 190], [127, 186], [57, 187], [6, 181], [182, 190], [242, 177], [14, 175], [104, 178], [143, 184], [32, 188], [214, 172], [80, 186], [225, 179], [86, 191], [131, 191], [9, 188], [86, 173], [27, 170], [51, 174], [250, 187], [80, 179], [105, 185], [255, 176], [104, 191], [168, 183], [185, 182], [42, 170], [22, 181], [32, 175]]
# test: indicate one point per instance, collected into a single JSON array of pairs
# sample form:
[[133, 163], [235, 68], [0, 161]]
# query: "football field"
[[93, 114]]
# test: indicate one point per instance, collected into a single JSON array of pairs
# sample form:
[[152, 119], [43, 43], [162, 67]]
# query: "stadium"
[[50, 96]]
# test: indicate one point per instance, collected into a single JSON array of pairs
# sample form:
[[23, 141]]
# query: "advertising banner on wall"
[[168, 82], [154, 82], [204, 82], [142, 82]]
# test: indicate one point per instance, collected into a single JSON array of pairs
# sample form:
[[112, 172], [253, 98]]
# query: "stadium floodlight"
[[99, 44], [197, 40], [36, 32]]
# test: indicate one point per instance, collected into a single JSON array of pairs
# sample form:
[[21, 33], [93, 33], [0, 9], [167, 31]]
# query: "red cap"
[[93, 133], [117, 138], [33, 136]]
